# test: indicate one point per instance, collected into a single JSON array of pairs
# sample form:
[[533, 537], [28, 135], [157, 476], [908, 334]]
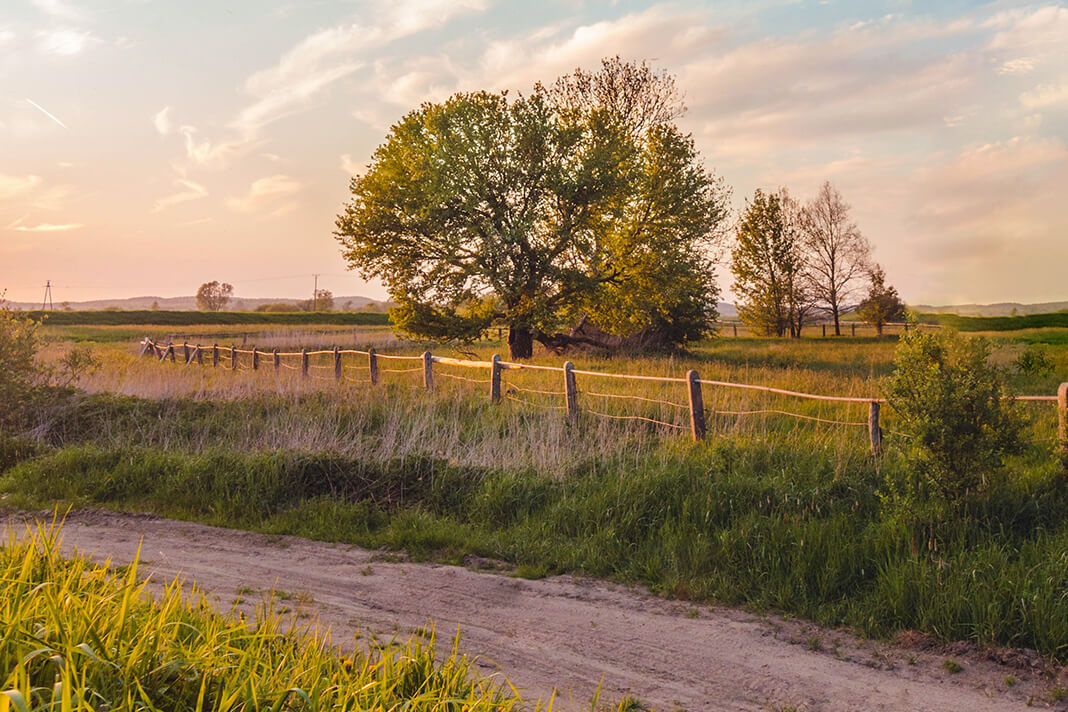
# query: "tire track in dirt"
[[563, 633]]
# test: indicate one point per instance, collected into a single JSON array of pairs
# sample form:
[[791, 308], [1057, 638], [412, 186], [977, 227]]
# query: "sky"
[[147, 146]]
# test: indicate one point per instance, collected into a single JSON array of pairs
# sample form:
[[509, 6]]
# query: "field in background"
[[187, 318], [768, 511]]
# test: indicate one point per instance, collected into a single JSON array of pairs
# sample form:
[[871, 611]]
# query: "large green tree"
[[538, 213], [882, 305]]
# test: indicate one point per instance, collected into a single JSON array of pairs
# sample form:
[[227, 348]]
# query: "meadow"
[[769, 511]]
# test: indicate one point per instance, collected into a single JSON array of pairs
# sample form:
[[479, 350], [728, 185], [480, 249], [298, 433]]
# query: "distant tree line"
[[793, 261]]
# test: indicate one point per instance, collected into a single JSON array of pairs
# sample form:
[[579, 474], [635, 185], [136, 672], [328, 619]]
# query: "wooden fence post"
[[337, 364], [824, 330], [875, 433], [735, 327], [255, 359], [428, 370], [1062, 418], [853, 328], [171, 349], [570, 392], [185, 351], [304, 362], [697, 405], [145, 345], [372, 365], [233, 357], [277, 361], [215, 355], [200, 355], [495, 379]]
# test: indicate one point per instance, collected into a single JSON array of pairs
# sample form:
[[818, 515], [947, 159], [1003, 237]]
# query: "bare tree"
[[640, 96], [836, 254]]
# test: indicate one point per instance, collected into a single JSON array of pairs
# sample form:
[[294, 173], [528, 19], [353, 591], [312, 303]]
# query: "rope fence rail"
[[273, 361]]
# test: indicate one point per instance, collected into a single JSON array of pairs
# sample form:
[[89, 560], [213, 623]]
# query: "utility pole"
[[315, 294], [47, 302]]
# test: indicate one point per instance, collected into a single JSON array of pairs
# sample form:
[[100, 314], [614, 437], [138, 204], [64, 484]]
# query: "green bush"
[[950, 399], [19, 371]]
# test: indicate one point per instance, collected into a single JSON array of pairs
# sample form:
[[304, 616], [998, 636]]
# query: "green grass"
[[998, 323], [80, 636], [769, 512], [188, 318]]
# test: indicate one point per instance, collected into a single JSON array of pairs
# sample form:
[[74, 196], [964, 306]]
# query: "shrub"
[[19, 370], [950, 400]]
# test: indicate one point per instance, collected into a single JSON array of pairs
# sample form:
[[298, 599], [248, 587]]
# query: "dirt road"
[[565, 632]]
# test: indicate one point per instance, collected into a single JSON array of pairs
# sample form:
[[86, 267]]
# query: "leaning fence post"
[[215, 355], [570, 391], [144, 346], [277, 361], [233, 357], [372, 365], [428, 370], [495, 379], [255, 359], [697, 405], [304, 362], [1062, 418], [875, 433], [337, 364]]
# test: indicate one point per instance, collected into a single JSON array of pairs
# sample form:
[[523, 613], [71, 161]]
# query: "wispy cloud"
[[64, 41], [16, 186], [265, 195], [162, 121], [58, 8], [48, 227], [192, 191]]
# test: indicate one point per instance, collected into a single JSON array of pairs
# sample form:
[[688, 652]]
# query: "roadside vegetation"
[[83, 636], [768, 512]]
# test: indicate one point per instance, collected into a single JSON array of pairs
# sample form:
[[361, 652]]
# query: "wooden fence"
[[255, 359]]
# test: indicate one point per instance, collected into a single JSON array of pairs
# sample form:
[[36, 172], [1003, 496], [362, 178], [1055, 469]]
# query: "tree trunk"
[[878, 328], [837, 327], [520, 342]]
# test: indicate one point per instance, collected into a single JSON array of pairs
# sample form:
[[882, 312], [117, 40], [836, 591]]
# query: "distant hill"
[[190, 303], [999, 309]]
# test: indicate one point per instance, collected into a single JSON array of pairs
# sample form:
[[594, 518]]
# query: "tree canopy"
[[539, 213], [214, 296], [882, 304]]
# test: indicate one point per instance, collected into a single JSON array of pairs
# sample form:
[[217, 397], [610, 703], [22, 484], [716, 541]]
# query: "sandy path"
[[566, 632]]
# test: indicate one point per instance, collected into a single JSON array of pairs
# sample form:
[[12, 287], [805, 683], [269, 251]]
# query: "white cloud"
[[16, 186], [1020, 65], [49, 227], [63, 41], [192, 191], [1045, 95], [264, 194], [351, 167], [162, 121], [57, 8]]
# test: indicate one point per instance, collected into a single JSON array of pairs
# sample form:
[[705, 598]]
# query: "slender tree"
[[882, 304], [766, 264], [836, 253]]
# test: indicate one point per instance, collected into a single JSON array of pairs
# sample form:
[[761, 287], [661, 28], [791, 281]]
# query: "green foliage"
[[81, 636], [484, 209], [192, 318], [951, 403], [20, 372], [767, 266], [882, 304]]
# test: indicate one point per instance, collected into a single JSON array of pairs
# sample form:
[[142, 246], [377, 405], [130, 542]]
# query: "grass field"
[[192, 318], [770, 511]]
